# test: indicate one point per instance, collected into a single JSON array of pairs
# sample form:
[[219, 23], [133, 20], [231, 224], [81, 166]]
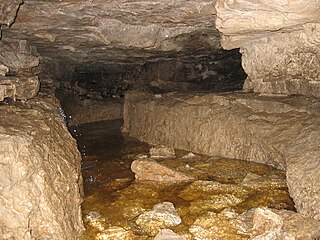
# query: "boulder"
[[270, 224], [162, 215], [150, 170]]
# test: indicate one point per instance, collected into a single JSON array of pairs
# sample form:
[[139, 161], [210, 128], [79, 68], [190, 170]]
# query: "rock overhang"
[[122, 32]]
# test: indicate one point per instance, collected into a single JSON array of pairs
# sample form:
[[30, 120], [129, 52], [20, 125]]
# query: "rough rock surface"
[[8, 11], [281, 53], [40, 180], [80, 111], [97, 32], [19, 88], [18, 80], [162, 152], [281, 131], [269, 224], [162, 215], [167, 234], [150, 170]]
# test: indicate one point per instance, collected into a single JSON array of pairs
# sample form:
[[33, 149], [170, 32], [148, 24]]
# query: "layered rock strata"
[[18, 79], [283, 132], [40, 180], [280, 53]]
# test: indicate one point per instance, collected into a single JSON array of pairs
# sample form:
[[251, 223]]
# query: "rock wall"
[[81, 111], [40, 179], [279, 42], [283, 132], [19, 66]]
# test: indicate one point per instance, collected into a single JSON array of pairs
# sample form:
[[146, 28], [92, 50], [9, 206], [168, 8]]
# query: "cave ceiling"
[[113, 32]]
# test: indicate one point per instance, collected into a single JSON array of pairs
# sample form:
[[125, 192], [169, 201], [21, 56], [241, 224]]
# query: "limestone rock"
[[216, 226], [21, 88], [257, 181], [3, 70], [150, 170], [84, 31], [162, 152], [91, 110], [40, 180], [168, 234], [240, 126], [271, 224], [19, 56], [280, 54], [8, 10], [162, 215], [277, 68]]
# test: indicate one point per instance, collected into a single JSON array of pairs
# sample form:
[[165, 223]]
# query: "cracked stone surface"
[[120, 31], [281, 53], [40, 180]]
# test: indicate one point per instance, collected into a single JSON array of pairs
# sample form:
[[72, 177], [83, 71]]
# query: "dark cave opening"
[[219, 71]]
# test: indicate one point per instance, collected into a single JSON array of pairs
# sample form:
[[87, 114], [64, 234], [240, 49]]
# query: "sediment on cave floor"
[[178, 194]]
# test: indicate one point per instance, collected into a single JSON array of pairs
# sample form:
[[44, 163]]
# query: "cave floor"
[[214, 206]]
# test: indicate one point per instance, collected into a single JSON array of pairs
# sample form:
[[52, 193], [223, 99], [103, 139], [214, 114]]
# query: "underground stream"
[[114, 200]]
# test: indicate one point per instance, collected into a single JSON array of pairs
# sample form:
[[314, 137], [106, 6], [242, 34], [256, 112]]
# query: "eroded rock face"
[[41, 183], [18, 80], [96, 31], [281, 53], [282, 131], [8, 11]]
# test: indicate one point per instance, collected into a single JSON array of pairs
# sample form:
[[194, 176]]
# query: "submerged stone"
[[162, 215]]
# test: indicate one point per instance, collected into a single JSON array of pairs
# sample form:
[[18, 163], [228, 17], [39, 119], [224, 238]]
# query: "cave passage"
[[115, 203]]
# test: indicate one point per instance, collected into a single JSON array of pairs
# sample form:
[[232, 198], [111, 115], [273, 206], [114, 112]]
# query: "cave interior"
[[195, 95]]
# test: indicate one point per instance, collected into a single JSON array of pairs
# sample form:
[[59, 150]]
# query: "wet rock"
[[271, 224], [189, 155], [150, 170], [212, 196], [91, 110], [168, 234], [19, 88], [239, 126], [216, 226], [115, 233], [162, 215], [40, 180], [269, 50], [162, 152], [260, 182]]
